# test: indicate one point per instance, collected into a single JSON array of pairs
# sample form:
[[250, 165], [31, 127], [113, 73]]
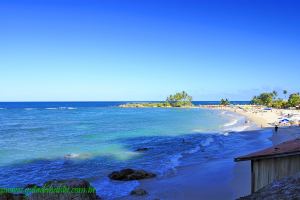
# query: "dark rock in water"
[[284, 189], [73, 189], [29, 186], [139, 192], [71, 183], [142, 149], [9, 196], [130, 174]]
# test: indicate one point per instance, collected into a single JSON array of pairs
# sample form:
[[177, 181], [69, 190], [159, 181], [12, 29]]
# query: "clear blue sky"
[[147, 49]]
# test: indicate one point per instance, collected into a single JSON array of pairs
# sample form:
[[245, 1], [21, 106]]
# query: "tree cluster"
[[271, 99], [179, 99], [224, 102]]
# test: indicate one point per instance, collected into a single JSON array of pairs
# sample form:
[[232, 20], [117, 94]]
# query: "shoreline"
[[261, 116], [217, 171], [257, 114], [232, 180]]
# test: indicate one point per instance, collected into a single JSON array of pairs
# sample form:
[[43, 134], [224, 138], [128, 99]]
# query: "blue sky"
[[146, 49]]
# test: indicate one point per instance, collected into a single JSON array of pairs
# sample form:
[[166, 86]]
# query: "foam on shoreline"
[[237, 123]]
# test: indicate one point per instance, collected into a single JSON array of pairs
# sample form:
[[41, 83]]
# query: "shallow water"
[[43, 143]]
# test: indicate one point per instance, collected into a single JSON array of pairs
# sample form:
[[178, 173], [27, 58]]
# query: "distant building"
[[273, 163]]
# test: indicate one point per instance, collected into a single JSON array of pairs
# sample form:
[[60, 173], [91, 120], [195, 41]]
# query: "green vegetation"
[[145, 105], [180, 99], [279, 103], [284, 92], [265, 99], [294, 100], [270, 99], [224, 102]]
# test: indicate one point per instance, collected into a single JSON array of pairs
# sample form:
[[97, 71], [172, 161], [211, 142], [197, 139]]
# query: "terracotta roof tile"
[[291, 147]]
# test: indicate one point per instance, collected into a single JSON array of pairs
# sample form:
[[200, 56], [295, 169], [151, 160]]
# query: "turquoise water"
[[39, 144], [30, 134]]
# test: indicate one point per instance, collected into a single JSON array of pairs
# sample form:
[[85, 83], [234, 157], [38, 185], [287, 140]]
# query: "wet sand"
[[222, 179]]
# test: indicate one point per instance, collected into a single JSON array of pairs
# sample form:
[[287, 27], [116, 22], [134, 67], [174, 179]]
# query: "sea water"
[[44, 141]]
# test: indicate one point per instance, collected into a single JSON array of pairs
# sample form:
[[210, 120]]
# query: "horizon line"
[[104, 101]]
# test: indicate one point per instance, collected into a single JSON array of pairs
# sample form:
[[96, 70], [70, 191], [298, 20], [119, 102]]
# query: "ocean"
[[40, 141]]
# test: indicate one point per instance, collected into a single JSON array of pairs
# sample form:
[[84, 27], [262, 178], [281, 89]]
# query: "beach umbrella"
[[285, 120], [267, 108]]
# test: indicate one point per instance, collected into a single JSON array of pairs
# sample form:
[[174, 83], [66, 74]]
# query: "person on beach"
[[276, 128]]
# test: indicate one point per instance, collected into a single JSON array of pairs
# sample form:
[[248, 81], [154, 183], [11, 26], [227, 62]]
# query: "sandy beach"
[[261, 116], [231, 180]]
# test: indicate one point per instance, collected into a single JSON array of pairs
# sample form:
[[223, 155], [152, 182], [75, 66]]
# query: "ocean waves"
[[67, 141], [61, 108]]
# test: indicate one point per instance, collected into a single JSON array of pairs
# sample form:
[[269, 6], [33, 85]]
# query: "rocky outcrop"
[[9, 196], [284, 189], [139, 192], [73, 189], [130, 174], [29, 186]]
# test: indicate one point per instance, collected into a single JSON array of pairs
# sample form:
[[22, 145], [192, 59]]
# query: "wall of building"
[[266, 171]]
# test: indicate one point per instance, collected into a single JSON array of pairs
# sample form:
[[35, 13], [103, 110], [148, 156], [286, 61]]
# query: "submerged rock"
[[9, 196], [139, 192], [29, 186], [283, 189], [142, 149], [130, 174], [73, 189]]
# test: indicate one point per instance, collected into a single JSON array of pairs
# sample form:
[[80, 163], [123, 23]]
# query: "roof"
[[288, 148]]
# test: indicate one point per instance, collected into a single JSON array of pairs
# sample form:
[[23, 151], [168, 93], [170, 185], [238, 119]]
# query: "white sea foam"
[[71, 108], [29, 108], [77, 156], [64, 108], [175, 160], [61, 108], [198, 130], [231, 123], [170, 166], [194, 150], [223, 112], [72, 155], [207, 141], [239, 128]]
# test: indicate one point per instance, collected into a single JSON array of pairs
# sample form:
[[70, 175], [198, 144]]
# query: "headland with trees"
[[177, 100]]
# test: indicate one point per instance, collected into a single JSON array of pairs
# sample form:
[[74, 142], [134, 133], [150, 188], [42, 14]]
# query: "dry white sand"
[[262, 118]]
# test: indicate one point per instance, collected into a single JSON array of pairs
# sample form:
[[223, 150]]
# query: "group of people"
[[276, 127]]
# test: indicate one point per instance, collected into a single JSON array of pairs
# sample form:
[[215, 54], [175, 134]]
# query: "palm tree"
[[285, 93], [275, 93]]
